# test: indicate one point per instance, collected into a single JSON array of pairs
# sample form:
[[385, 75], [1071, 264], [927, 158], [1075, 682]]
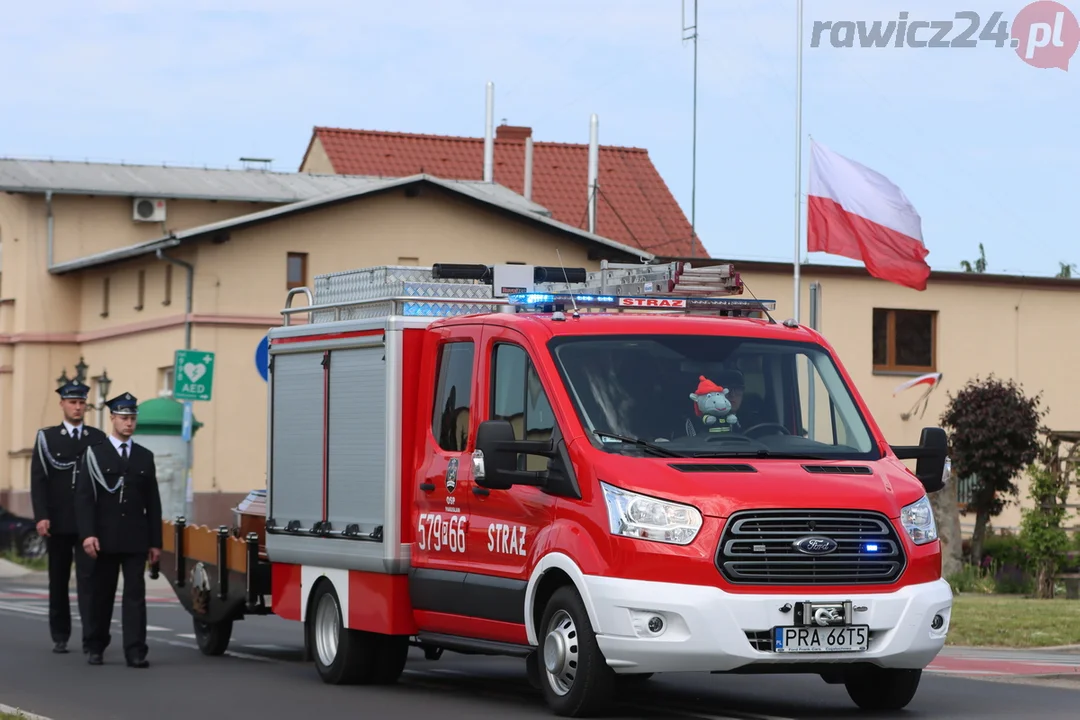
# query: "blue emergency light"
[[567, 301]]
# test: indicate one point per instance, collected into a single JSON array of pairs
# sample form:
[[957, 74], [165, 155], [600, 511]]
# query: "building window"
[[165, 381], [453, 396], [168, 285], [905, 340], [140, 290], [105, 297], [296, 271]]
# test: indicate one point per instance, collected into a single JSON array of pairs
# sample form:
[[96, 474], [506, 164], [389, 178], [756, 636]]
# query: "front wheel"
[[878, 689], [213, 638], [576, 680]]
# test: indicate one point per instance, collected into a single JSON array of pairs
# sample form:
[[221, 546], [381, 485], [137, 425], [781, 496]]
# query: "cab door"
[[440, 518], [509, 527]]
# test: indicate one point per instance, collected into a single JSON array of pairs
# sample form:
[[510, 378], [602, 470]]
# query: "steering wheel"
[[771, 425]]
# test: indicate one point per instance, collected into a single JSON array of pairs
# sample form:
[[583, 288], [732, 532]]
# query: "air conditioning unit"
[[148, 210]]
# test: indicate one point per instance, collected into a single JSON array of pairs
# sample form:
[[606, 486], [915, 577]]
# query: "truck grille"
[[758, 547]]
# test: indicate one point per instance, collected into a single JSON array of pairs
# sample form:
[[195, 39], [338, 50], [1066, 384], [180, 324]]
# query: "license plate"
[[845, 638]]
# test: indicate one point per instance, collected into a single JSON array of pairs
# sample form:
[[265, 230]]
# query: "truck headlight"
[[647, 518], [918, 519]]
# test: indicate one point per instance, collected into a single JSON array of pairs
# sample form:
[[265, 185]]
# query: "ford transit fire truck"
[[607, 474]]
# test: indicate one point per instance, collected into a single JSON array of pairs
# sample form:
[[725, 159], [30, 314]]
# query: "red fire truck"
[[607, 474]]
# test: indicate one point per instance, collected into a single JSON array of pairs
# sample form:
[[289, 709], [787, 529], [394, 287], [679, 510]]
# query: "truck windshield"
[[751, 397]]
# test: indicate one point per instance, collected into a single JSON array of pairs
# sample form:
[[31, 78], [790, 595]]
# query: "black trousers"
[[63, 549], [107, 569]]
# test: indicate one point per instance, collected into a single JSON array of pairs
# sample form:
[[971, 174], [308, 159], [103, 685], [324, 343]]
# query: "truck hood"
[[717, 491]]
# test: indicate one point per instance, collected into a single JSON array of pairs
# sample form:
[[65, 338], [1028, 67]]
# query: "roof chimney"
[[489, 132], [528, 167], [594, 168], [513, 132]]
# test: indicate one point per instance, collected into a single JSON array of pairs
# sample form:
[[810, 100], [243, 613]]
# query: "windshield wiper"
[[636, 442]]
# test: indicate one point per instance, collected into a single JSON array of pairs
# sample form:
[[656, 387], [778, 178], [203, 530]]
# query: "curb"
[[21, 713]]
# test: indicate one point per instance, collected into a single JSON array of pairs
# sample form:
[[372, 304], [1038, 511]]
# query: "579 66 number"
[[438, 532]]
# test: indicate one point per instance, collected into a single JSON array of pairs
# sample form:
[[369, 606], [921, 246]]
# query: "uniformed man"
[[53, 470], [119, 518]]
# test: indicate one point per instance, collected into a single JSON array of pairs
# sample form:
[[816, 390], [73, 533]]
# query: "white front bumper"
[[706, 627]]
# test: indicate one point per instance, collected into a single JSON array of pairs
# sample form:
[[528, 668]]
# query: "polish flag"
[[860, 214]]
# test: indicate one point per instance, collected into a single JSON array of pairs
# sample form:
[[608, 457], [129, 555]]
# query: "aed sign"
[[193, 375], [652, 302]]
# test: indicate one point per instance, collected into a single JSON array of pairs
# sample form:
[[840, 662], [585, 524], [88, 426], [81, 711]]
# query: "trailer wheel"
[[342, 656], [878, 689], [213, 638], [576, 680]]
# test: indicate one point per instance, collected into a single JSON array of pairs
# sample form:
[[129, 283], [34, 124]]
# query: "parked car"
[[19, 535]]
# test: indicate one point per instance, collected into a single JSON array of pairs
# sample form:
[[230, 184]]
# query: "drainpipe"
[[189, 292], [189, 505], [49, 226]]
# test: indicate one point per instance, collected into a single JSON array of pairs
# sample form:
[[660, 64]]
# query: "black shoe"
[[95, 658], [140, 662], [60, 647]]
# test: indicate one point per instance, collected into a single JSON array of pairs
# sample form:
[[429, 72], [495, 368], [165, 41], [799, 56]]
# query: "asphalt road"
[[263, 676]]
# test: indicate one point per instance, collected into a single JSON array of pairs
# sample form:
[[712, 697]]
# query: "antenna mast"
[[693, 35]]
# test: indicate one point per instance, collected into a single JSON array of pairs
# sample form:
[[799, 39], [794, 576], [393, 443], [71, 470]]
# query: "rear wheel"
[[343, 656], [878, 689], [213, 638], [575, 678]]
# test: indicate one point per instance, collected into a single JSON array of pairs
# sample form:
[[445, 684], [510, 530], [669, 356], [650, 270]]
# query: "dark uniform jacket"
[[53, 468], [128, 519]]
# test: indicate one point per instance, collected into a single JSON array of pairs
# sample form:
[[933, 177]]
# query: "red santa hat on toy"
[[705, 386]]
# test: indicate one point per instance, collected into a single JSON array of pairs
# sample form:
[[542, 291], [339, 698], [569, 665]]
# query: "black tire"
[[341, 656], [582, 684], [213, 638], [881, 689], [393, 653]]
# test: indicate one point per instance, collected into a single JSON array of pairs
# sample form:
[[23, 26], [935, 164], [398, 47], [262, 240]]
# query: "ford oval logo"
[[815, 545]]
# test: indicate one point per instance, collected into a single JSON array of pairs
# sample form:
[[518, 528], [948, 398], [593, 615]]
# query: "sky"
[[983, 144]]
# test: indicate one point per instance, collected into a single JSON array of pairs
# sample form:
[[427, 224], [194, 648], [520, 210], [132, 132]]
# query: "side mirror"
[[932, 465], [495, 459]]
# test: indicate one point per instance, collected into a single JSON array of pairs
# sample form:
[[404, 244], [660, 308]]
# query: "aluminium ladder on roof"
[[384, 290]]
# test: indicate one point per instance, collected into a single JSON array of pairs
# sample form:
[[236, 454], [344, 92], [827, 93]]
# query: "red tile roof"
[[634, 207]]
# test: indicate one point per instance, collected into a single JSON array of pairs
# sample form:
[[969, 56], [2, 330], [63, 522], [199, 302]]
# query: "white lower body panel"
[[705, 628]]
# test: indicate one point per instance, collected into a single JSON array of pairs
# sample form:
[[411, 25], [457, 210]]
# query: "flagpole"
[[798, 165]]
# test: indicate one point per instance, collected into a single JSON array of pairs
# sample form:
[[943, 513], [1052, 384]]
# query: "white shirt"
[[118, 443], [71, 428]]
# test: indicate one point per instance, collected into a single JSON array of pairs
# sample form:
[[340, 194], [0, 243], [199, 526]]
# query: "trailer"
[[219, 575]]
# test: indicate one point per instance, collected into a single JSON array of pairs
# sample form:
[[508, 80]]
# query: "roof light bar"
[[564, 301]]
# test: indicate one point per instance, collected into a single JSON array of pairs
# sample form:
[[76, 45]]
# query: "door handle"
[[427, 487], [477, 490]]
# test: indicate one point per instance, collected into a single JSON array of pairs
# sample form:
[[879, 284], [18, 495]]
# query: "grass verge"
[[1013, 621], [40, 564]]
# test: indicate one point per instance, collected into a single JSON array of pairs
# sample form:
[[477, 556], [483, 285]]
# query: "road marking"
[[261, 647], [232, 653], [155, 628], [21, 713], [23, 609], [189, 636]]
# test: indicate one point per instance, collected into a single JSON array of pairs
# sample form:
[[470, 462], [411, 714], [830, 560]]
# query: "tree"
[[1067, 270], [993, 435], [947, 517], [1042, 529], [980, 264]]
